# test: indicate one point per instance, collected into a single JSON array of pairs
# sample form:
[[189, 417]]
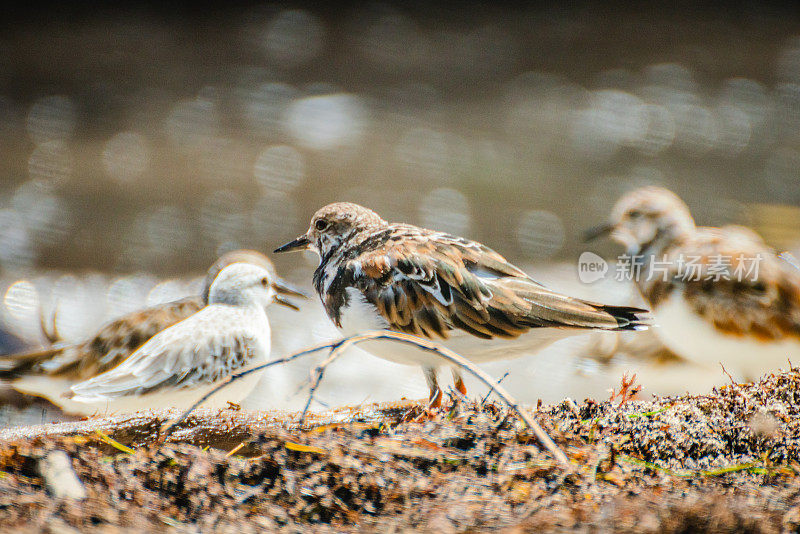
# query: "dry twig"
[[733, 382], [337, 349]]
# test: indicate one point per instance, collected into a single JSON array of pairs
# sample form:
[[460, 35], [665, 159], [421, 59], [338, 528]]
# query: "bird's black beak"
[[285, 288], [284, 302], [598, 231], [301, 243]]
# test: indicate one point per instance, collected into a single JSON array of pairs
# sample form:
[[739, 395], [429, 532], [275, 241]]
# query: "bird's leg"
[[433, 384], [458, 382], [434, 399]]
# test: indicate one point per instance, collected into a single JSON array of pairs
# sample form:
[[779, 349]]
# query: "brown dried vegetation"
[[724, 462]]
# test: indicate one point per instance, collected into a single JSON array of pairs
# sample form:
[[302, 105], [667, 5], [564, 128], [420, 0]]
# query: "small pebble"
[[59, 477]]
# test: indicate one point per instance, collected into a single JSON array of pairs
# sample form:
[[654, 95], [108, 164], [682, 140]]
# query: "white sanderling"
[[185, 361]]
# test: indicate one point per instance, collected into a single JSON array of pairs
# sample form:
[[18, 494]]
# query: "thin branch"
[[166, 428], [733, 382], [338, 348], [335, 352], [486, 398]]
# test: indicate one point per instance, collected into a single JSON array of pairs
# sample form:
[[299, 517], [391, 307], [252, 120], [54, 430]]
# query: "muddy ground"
[[724, 462]]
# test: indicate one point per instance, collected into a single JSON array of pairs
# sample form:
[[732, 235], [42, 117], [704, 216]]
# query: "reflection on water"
[[142, 148]]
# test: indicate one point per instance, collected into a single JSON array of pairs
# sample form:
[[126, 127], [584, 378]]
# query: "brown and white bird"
[[719, 295], [378, 275], [51, 372]]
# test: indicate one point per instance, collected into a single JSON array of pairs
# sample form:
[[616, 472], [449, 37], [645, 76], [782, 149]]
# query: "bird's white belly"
[[691, 336], [361, 316]]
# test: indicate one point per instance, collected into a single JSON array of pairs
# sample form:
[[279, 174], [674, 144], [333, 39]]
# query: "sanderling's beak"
[[288, 303], [600, 230], [301, 243], [285, 288]]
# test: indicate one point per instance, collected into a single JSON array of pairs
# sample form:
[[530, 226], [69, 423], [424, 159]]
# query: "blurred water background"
[[138, 145]]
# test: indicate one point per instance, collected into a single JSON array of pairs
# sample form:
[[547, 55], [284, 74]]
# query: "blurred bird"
[[50, 372], [377, 275], [717, 294], [180, 364]]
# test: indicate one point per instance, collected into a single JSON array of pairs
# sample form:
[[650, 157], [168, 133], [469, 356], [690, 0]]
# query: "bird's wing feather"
[[112, 345], [117, 340], [428, 283], [185, 354]]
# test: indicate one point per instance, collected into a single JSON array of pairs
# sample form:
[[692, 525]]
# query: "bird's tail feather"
[[628, 317]]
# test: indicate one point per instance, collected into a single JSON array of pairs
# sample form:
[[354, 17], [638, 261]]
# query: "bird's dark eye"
[[635, 214], [321, 224], [265, 282]]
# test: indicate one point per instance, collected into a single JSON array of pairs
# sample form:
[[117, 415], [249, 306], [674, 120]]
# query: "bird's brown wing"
[[112, 345], [428, 283], [741, 286]]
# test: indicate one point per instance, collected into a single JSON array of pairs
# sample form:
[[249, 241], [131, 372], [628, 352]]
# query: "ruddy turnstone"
[[378, 275], [50, 373], [185, 361], [717, 294]]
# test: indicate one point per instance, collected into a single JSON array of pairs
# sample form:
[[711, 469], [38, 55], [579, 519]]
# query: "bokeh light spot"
[[22, 300], [126, 156], [446, 210], [51, 161], [279, 168], [540, 233], [326, 121], [52, 118]]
